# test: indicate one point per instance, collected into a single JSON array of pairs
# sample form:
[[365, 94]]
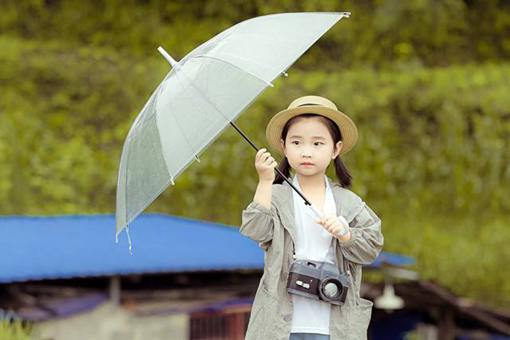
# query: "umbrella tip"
[[168, 57]]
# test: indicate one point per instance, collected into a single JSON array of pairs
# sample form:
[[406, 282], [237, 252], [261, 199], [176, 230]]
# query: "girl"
[[310, 133]]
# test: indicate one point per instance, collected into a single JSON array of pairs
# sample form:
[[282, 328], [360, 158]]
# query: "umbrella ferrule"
[[168, 57]]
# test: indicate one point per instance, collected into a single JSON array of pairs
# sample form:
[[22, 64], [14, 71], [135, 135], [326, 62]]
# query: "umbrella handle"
[[307, 202]]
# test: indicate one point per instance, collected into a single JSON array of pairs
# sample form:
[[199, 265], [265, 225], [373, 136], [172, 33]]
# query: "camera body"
[[319, 281]]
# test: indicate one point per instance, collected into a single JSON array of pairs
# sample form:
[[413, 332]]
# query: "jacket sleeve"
[[366, 240], [257, 224]]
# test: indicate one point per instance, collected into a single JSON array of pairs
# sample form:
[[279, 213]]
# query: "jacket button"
[[287, 318]]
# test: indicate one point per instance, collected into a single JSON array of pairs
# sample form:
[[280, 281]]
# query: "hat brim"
[[345, 124]]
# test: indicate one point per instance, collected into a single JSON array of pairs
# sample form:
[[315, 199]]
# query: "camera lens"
[[331, 290]]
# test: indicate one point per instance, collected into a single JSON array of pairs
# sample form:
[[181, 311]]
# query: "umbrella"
[[203, 94]]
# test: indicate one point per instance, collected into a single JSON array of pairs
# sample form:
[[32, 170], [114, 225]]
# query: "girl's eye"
[[318, 143], [295, 142]]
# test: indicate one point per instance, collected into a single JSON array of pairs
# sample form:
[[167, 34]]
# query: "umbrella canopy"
[[201, 95]]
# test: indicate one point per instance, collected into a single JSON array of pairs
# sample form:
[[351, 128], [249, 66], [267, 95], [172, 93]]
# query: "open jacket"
[[273, 229]]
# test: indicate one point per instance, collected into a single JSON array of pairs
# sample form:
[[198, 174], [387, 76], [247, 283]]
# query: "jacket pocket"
[[356, 319], [262, 313]]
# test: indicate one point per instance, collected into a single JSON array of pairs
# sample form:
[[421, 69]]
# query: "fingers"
[[335, 230], [328, 220], [332, 224], [260, 153], [265, 158], [340, 220]]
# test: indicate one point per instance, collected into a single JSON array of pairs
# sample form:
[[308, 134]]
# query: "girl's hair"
[[342, 173]]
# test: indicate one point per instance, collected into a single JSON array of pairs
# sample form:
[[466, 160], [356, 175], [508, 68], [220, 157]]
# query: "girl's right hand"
[[265, 164]]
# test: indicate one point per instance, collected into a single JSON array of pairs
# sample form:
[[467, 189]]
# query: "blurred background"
[[426, 81]]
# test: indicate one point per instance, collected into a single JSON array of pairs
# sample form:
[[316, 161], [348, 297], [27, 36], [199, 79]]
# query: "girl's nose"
[[305, 153]]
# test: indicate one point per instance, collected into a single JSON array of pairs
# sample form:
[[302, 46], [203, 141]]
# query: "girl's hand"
[[336, 226], [265, 164]]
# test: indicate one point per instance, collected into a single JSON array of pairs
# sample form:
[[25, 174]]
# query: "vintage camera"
[[318, 280]]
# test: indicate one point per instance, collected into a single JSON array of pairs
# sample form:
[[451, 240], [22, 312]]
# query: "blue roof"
[[392, 259], [58, 247]]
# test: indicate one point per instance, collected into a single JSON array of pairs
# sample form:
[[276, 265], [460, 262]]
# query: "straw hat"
[[317, 105]]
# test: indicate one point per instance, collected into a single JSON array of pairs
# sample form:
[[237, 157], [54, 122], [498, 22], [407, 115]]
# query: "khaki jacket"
[[271, 313]]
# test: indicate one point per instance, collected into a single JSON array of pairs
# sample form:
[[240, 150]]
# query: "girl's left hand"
[[335, 225]]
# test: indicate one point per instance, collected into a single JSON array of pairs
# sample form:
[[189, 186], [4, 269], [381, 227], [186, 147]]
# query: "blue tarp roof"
[[57, 247]]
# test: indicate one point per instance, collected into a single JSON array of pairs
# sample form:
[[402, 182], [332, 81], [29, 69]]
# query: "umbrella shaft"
[[276, 169]]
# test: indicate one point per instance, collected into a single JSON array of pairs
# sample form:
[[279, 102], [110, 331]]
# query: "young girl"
[[310, 133]]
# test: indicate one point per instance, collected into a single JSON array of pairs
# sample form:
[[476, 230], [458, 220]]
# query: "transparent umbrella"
[[203, 94]]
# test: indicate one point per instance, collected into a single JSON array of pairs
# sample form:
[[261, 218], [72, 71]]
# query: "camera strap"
[[330, 254]]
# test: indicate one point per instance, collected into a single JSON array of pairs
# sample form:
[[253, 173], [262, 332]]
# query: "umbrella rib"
[[206, 97], [126, 206], [141, 120], [247, 60], [187, 141], [233, 65]]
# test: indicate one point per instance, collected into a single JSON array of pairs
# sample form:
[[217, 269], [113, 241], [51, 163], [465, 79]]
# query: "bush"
[[432, 140], [467, 255]]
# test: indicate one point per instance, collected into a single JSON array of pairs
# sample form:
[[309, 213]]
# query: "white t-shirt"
[[312, 242]]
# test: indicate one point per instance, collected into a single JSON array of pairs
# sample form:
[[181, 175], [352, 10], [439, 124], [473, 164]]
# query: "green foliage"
[[426, 82], [468, 255], [64, 115], [379, 33], [14, 330]]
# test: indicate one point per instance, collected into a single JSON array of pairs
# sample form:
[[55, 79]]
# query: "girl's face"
[[309, 146]]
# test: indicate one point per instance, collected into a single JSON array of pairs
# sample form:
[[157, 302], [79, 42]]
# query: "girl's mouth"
[[306, 164]]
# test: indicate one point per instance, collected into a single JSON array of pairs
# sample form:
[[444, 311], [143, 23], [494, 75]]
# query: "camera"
[[318, 280]]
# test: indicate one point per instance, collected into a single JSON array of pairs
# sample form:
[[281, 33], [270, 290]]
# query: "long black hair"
[[342, 173]]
